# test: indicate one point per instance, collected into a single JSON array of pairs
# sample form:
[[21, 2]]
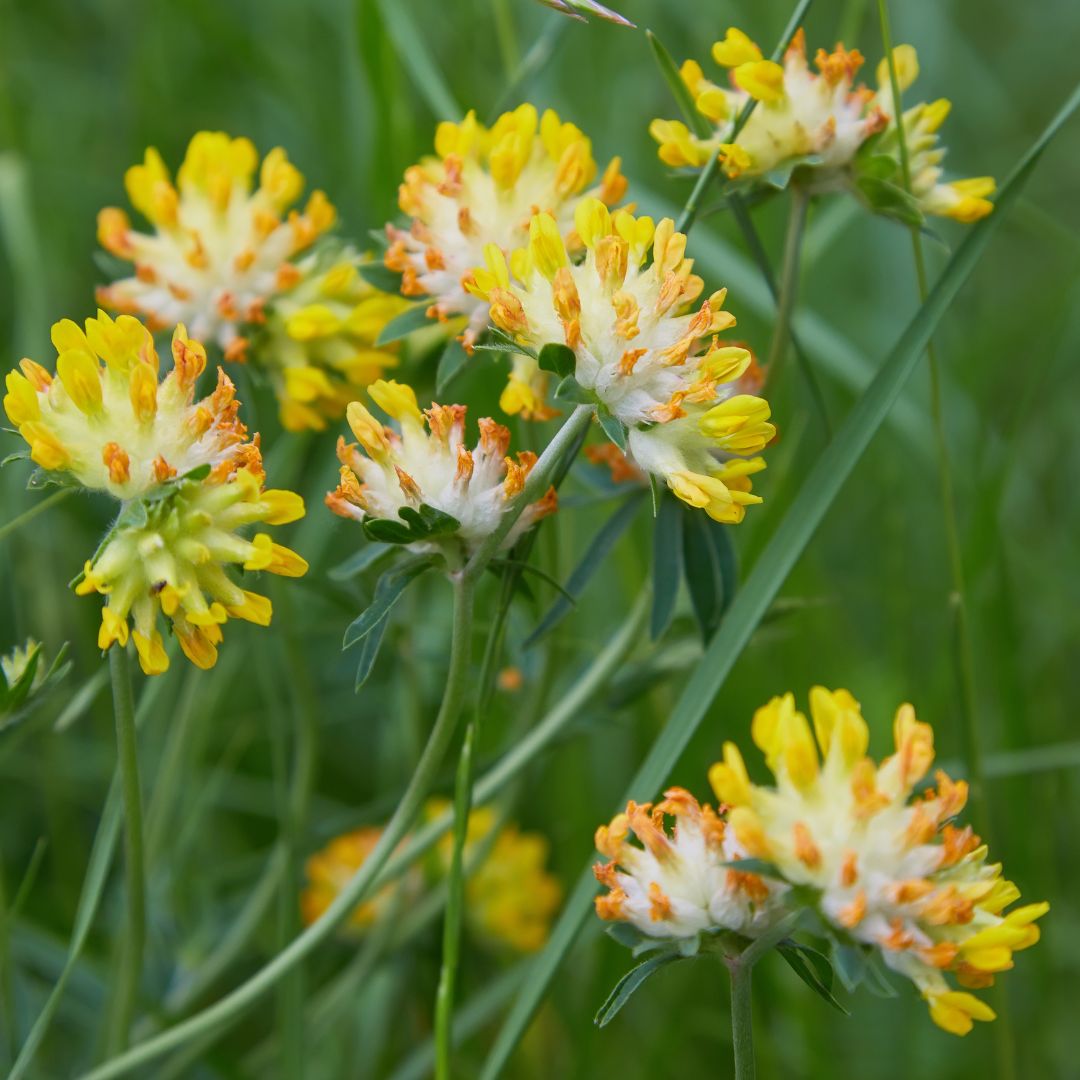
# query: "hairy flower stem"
[[122, 1006], [779, 347], [463, 797], [742, 1022], [423, 779]]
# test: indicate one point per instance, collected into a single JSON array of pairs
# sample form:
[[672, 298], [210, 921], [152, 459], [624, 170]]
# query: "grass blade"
[[805, 514], [417, 60]]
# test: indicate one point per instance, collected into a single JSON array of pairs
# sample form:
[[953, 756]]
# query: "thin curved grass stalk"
[[780, 344], [122, 1008], [101, 855], [771, 570], [757, 250], [234, 1003], [514, 762], [27, 516]]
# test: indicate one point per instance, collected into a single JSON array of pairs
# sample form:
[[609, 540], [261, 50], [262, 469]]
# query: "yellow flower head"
[[889, 868], [234, 261], [170, 554], [184, 470], [679, 881], [422, 472], [510, 898], [328, 872], [106, 420], [317, 345], [222, 246], [818, 119], [643, 346], [482, 188], [963, 200]]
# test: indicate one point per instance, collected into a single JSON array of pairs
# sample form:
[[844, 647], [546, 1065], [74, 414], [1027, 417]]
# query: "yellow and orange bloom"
[[328, 872], [169, 555], [317, 345], [963, 200], [185, 472], [889, 868], [425, 464], [681, 881], [823, 123], [645, 347], [483, 187], [107, 421], [232, 258], [510, 897], [817, 119]]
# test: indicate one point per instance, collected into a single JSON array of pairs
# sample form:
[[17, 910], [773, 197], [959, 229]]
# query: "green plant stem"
[[463, 796], [964, 650], [760, 256], [423, 779], [779, 346], [536, 740], [134, 940], [742, 1017], [26, 516]]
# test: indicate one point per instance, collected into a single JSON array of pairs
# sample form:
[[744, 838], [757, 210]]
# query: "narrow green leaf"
[[679, 90], [453, 360], [631, 982], [771, 570], [404, 324], [357, 563], [595, 556], [382, 277], [810, 973], [387, 593], [756, 866], [667, 565], [369, 651], [704, 573], [613, 427], [417, 60]]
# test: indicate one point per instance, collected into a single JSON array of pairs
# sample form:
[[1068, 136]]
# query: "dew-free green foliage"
[[248, 768]]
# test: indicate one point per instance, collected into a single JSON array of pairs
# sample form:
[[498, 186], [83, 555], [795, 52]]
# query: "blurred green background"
[[354, 96]]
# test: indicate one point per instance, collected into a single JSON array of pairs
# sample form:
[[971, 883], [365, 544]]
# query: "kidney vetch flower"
[[682, 882], [641, 349], [237, 264], [421, 485], [510, 896], [819, 120], [184, 471], [963, 200], [889, 868], [482, 188]]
